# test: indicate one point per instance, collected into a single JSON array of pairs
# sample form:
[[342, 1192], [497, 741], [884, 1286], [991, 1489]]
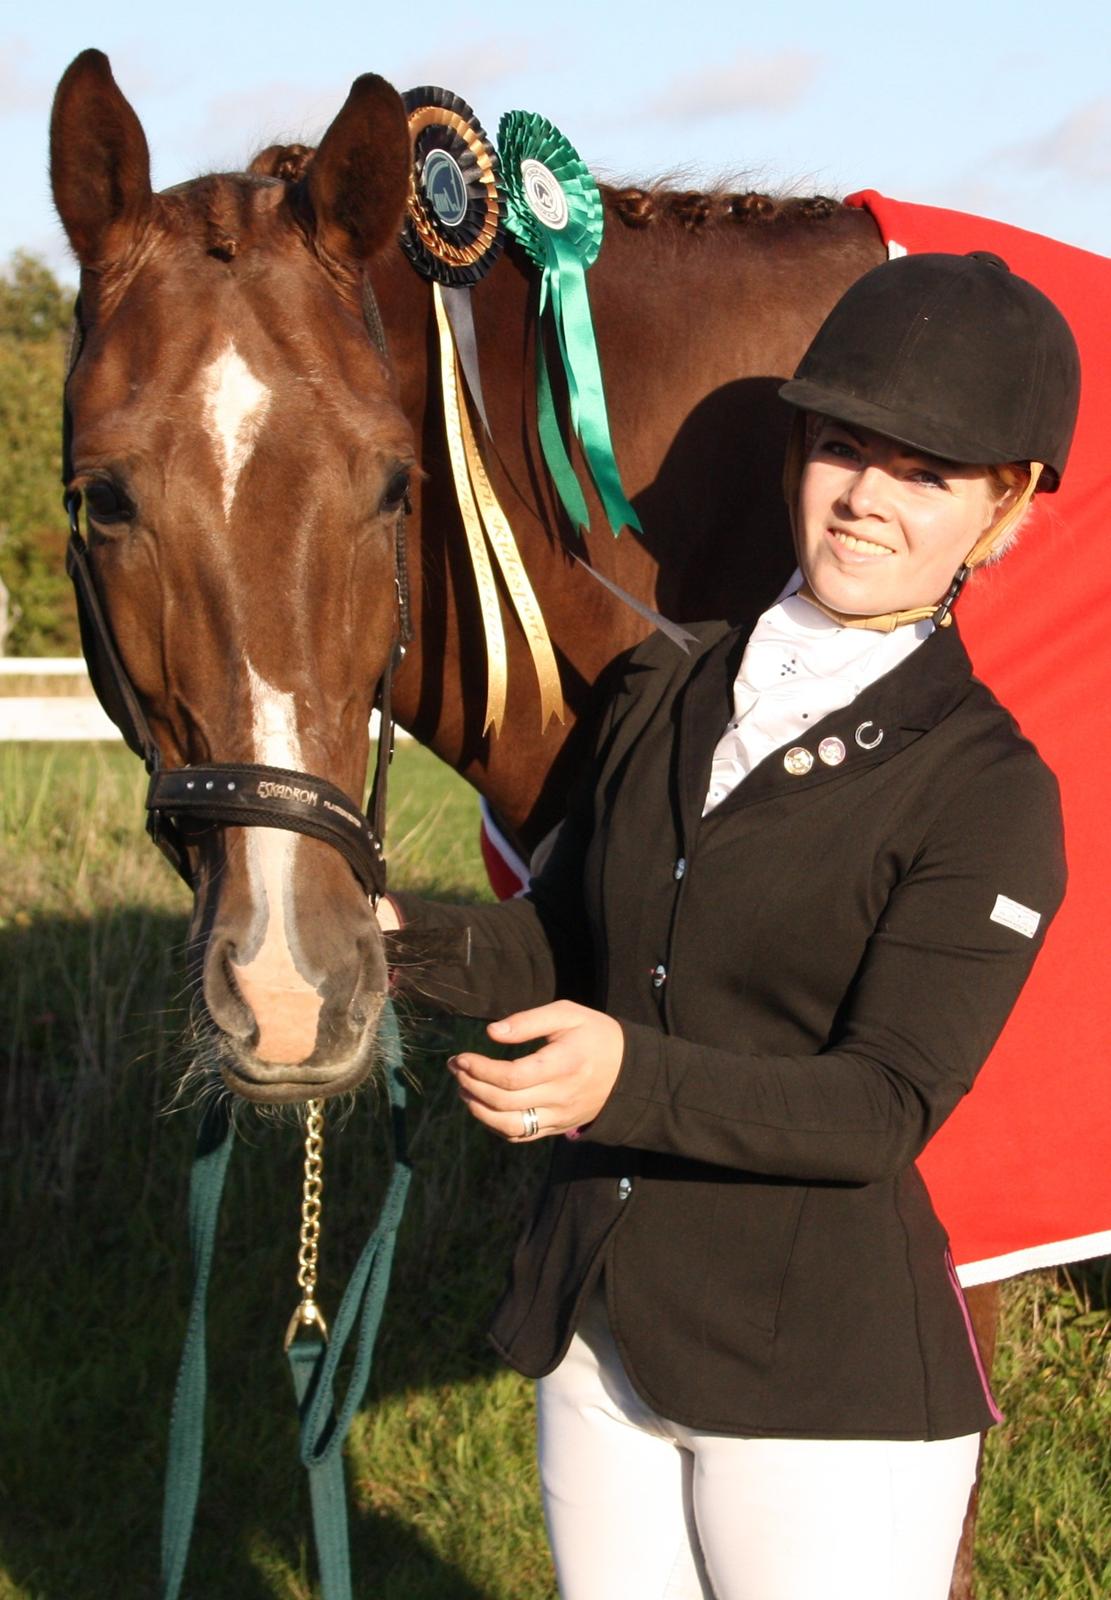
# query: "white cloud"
[[144, 76], [236, 125], [1079, 147], [466, 69], [749, 82], [19, 91]]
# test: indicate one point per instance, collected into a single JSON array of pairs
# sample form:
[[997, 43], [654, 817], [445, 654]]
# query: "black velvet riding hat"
[[955, 355]]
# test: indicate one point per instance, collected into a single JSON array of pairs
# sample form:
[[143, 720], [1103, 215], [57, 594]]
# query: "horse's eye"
[[106, 502], [397, 491]]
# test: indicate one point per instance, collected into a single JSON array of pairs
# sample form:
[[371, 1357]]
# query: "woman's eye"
[[397, 491], [842, 449], [106, 503], [932, 480]]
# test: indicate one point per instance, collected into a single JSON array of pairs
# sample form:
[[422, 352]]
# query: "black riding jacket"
[[808, 980]]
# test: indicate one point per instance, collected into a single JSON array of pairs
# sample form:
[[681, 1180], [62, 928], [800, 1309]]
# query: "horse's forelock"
[[224, 213], [288, 162]]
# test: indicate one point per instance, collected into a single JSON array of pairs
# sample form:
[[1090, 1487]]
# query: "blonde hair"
[[1019, 481], [1013, 478]]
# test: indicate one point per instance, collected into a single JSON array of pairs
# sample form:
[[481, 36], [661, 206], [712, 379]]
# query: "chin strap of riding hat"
[[940, 613]]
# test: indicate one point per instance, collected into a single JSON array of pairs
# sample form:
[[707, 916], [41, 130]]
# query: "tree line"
[[35, 316]]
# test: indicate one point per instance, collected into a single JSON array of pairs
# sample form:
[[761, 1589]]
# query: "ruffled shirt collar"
[[798, 666]]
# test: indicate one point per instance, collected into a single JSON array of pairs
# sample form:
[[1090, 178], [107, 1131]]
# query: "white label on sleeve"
[[1013, 915]]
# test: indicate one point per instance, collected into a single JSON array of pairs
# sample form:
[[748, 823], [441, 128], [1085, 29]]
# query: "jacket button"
[[659, 975], [680, 868], [624, 1188]]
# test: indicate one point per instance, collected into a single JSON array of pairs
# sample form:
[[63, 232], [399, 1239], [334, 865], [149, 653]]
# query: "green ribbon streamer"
[[571, 306], [564, 254], [551, 437]]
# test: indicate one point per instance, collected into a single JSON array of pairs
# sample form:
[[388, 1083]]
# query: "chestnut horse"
[[243, 450]]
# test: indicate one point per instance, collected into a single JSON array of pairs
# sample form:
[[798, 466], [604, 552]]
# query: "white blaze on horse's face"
[[286, 1007], [235, 407]]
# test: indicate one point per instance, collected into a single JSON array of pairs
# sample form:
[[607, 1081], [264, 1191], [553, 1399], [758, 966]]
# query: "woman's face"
[[882, 527]]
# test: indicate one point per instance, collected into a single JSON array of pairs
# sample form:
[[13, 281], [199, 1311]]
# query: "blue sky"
[[935, 103]]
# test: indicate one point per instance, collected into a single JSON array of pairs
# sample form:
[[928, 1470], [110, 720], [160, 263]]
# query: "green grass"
[[443, 1491]]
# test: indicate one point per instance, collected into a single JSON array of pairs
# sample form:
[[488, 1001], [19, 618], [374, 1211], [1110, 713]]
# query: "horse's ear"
[[99, 162], [358, 181]]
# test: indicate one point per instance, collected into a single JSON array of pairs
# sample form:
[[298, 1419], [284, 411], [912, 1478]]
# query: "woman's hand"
[[560, 1087]]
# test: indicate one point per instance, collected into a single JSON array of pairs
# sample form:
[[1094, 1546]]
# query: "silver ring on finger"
[[531, 1123]]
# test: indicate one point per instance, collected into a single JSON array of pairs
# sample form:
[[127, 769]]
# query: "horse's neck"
[[695, 335]]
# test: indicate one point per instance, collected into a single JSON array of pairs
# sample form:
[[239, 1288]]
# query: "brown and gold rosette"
[[454, 230]]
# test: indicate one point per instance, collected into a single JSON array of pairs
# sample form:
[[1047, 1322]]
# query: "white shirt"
[[798, 666]]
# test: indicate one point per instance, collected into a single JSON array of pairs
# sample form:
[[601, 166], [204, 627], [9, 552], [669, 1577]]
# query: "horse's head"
[[243, 459]]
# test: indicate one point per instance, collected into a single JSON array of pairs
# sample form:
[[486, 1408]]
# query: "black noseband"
[[267, 797]]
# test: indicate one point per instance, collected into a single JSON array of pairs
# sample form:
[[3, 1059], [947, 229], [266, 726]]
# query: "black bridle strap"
[[251, 795], [110, 680]]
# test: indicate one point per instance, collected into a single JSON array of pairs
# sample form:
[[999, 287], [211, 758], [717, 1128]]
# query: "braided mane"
[[695, 209], [650, 205]]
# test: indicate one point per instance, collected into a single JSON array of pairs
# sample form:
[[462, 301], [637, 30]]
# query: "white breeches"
[[640, 1508]]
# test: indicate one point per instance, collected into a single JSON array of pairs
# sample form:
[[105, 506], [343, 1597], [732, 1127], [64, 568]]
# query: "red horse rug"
[[1021, 1173]]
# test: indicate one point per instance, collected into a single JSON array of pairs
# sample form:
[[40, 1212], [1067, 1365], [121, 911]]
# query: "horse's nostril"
[[226, 1003], [228, 972]]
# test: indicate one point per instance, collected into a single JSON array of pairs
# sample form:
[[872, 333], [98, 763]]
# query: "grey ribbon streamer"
[[673, 630], [457, 304]]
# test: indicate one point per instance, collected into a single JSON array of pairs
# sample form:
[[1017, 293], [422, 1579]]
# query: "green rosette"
[[554, 209]]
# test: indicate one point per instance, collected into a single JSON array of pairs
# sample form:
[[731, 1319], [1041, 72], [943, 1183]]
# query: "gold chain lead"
[[308, 1313]]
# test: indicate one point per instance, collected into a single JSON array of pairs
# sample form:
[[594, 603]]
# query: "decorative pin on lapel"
[[832, 752], [798, 761]]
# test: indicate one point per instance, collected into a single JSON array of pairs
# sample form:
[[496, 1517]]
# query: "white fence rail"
[[43, 667], [66, 715], [71, 712]]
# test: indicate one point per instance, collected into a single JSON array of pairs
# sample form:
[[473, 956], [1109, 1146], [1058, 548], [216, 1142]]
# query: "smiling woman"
[[883, 526], [768, 953]]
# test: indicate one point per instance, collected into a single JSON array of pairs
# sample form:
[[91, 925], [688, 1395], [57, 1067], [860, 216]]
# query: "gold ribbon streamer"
[[477, 495], [496, 666], [521, 592]]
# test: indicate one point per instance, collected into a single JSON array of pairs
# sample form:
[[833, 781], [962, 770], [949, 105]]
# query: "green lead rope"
[[312, 1361], [183, 1468]]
